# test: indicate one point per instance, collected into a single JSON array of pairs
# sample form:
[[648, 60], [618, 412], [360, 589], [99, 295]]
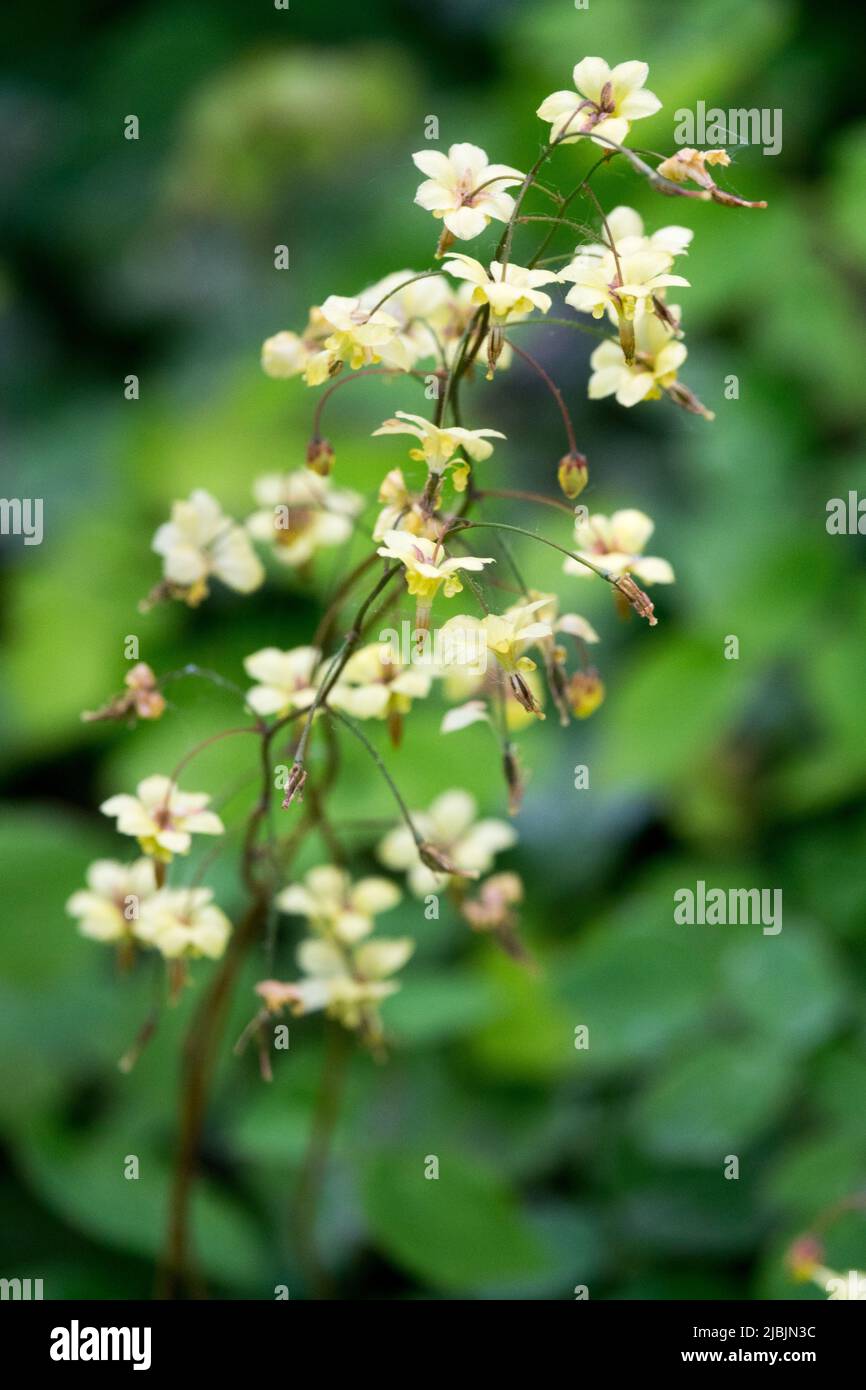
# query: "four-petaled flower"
[[375, 684], [162, 818], [285, 679], [605, 103], [358, 336], [182, 923], [438, 446], [428, 569], [200, 542], [450, 827], [616, 543], [658, 356], [335, 906], [300, 513], [464, 190], [509, 290], [107, 909]]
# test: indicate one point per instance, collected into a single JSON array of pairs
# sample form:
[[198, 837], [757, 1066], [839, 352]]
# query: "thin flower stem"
[[534, 536], [346, 380], [519, 495], [378, 760], [554, 391], [424, 275]]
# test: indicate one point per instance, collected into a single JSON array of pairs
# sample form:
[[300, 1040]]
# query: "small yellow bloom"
[[358, 336], [183, 923], [285, 679], [605, 103], [450, 827], [616, 545], [200, 542], [162, 818], [464, 190], [374, 684], [335, 906], [300, 513], [428, 569], [509, 290], [439, 446], [108, 908]]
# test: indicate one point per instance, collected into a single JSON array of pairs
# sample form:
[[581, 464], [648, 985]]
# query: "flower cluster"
[[506, 654]]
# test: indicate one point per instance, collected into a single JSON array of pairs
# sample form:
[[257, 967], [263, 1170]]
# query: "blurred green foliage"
[[558, 1166]]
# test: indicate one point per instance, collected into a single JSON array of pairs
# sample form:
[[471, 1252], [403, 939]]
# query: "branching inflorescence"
[[499, 665]]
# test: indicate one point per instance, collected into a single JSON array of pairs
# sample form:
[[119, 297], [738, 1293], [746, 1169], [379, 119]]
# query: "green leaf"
[[714, 1102], [454, 1232]]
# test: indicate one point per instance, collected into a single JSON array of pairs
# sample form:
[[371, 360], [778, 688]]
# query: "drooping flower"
[[349, 984], [107, 909], [509, 290], [465, 190], [507, 636], [183, 923], [428, 569], [200, 542], [285, 679], [451, 829], [605, 102], [622, 282], [162, 818], [300, 513], [658, 356], [402, 509], [375, 684], [439, 446], [335, 906], [358, 337], [616, 544], [288, 354]]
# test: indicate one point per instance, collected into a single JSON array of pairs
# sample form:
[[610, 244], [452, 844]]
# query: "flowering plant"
[[429, 328]]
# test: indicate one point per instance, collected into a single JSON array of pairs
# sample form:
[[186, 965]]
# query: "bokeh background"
[[559, 1167]]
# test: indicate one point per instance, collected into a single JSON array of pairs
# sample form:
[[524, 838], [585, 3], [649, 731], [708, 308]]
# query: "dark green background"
[[558, 1167]]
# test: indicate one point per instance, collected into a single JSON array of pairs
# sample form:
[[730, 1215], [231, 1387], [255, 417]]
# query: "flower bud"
[[573, 474], [585, 693], [320, 456]]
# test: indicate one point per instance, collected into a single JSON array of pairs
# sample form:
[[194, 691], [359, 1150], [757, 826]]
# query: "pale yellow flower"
[[428, 569], [348, 984], [507, 636], [417, 308], [451, 827], [183, 923], [402, 509], [300, 513], [658, 356], [108, 907], [616, 544], [464, 190], [285, 679], [509, 290], [200, 542], [335, 906], [623, 282], [605, 103], [439, 446], [162, 818], [287, 354], [373, 685], [688, 164], [358, 337]]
